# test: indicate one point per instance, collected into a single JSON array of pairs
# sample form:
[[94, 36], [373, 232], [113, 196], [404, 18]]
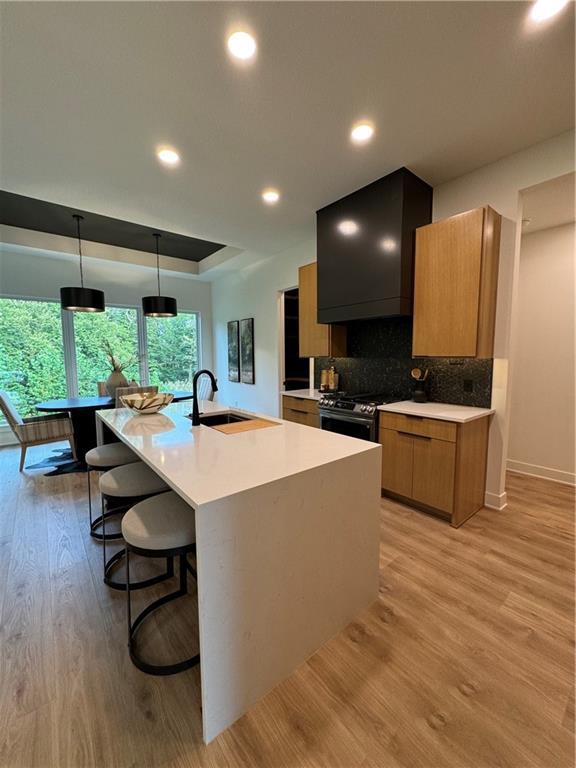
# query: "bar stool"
[[101, 459], [120, 489], [161, 526]]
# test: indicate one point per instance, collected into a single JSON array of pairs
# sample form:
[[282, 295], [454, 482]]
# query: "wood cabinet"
[[316, 339], [455, 285], [438, 466], [300, 410]]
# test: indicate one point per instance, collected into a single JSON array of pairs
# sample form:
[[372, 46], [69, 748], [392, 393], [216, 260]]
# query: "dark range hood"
[[365, 249]]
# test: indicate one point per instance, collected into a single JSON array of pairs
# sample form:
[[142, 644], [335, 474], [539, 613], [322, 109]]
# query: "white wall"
[[542, 408], [253, 292], [25, 272], [499, 185]]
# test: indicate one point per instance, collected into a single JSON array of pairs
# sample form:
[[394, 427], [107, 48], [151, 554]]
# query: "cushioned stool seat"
[[161, 526], [100, 459], [110, 455], [120, 488], [131, 480], [160, 522]]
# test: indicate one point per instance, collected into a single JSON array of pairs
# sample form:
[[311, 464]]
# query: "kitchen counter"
[[443, 411], [277, 511], [203, 465], [308, 394]]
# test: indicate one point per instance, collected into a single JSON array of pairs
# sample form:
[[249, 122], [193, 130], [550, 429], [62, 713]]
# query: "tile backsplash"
[[380, 360]]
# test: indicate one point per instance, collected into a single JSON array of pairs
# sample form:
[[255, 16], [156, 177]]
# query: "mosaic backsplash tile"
[[381, 359]]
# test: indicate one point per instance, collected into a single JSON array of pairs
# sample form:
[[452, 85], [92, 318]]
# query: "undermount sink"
[[216, 419]]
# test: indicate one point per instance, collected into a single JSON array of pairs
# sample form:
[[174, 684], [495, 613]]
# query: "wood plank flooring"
[[465, 661]]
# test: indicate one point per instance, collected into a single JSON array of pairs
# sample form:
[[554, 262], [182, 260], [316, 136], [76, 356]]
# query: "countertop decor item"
[[81, 299], [159, 306], [143, 403], [420, 390]]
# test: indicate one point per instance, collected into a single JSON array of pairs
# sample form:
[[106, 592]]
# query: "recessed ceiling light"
[[242, 45], [271, 196], [348, 227], [388, 244], [526, 222], [545, 9], [361, 133], [168, 156]]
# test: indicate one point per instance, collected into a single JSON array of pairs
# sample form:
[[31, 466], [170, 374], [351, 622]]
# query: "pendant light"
[[81, 299], [159, 306]]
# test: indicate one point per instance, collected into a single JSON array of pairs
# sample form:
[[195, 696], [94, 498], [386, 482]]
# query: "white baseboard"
[[545, 473], [495, 500]]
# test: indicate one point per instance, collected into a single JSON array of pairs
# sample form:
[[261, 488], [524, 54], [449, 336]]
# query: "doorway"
[[296, 368], [542, 412]]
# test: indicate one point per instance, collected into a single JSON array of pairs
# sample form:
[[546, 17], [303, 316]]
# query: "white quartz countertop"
[[308, 394], [442, 411], [203, 465]]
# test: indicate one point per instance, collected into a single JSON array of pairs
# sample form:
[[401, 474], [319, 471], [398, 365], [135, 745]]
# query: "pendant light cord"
[[78, 220], [157, 237]]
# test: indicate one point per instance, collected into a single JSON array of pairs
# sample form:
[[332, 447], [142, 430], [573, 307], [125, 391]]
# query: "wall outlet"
[[468, 385]]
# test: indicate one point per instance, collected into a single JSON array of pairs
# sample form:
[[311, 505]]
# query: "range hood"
[[365, 249]]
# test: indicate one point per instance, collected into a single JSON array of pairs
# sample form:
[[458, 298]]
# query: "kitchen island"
[[287, 537]]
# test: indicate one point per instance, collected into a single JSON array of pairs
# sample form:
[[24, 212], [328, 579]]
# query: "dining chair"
[[120, 391], [205, 391], [36, 430]]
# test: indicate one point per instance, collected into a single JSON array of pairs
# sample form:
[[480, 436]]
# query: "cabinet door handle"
[[411, 434], [297, 410]]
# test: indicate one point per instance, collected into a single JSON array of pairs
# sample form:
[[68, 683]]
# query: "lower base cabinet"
[[435, 465], [300, 410]]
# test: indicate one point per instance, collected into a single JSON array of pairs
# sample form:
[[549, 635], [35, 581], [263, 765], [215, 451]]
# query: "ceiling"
[[549, 204], [90, 89], [41, 216]]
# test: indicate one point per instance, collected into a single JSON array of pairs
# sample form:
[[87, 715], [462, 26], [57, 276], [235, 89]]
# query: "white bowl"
[[144, 403]]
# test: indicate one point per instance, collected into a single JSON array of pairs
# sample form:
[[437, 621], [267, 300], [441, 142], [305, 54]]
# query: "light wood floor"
[[465, 661]]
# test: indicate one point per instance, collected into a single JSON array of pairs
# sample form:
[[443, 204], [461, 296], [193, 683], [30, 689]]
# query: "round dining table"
[[82, 413]]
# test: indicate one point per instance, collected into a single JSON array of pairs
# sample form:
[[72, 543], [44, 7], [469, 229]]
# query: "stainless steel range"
[[352, 415]]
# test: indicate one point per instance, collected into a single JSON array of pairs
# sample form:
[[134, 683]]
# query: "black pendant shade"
[[159, 306], [81, 299]]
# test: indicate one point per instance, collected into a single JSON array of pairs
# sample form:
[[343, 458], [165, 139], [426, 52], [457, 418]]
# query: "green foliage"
[[31, 353], [118, 327], [172, 351], [32, 359]]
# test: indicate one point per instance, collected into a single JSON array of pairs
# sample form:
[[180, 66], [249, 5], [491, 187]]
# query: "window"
[[31, 352], [119, 327], [47, 354], [172, 350]]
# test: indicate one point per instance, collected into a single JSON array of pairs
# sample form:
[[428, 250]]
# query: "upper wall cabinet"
[[315, 339], [456, 279]]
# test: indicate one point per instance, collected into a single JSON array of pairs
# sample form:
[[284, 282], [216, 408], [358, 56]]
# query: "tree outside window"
[[31, 353], [172, 351]]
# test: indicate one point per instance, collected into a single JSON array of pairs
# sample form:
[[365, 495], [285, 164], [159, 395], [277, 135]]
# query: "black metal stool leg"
[[112, 563], [156, 669], [89, 476]]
